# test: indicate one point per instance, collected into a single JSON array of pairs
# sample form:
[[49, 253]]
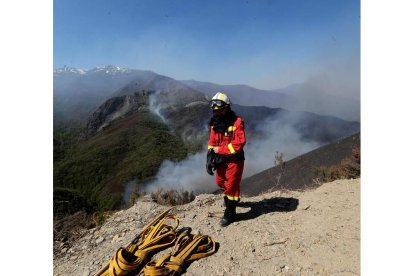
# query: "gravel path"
[[315, 232]]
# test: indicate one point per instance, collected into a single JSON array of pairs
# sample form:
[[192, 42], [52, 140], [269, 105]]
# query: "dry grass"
[[346, 169], [165, 197], [172, 197]]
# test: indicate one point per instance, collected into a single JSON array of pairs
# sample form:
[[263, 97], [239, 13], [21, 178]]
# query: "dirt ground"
[[314, 232]]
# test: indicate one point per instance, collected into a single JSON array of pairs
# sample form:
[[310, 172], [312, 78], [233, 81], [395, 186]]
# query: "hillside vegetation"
[[97, 169]]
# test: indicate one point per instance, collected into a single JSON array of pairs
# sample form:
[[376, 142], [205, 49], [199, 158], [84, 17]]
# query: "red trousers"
[[228, 177]]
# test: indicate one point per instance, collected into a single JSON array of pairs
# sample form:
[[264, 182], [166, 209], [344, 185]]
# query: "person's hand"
[[216, 149], [209, 163], [209, 170]]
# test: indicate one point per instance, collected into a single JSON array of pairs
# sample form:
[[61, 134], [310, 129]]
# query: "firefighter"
[[225, 153]]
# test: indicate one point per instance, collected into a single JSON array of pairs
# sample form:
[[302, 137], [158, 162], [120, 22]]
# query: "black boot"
[[225, 201], [229, 213]]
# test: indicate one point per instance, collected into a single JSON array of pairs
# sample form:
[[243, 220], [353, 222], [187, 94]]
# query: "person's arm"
[[212, 141]]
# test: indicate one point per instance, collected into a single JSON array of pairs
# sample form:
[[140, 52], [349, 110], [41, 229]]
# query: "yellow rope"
[[132, 258], [188, 247]]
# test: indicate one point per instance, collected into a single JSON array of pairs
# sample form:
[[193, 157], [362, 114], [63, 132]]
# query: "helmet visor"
[[217, 104]]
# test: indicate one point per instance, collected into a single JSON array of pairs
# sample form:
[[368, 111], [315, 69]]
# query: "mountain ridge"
[[301, 172], [120, 81], [295, 97]]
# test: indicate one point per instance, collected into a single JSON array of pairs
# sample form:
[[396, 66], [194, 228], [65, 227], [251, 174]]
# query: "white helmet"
[[219, 101]]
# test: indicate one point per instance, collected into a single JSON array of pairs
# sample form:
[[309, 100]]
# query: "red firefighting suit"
[[230, 144]]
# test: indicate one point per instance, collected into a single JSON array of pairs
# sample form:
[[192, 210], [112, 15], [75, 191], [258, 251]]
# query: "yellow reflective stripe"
[[231, 128], [230, 146], [234, 198], [210, 147]]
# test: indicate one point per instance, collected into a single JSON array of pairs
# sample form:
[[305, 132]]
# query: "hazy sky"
[[267, 44]]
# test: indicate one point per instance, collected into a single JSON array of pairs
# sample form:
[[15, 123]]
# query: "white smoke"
[[155, 106], [190, 174], [280, 137]]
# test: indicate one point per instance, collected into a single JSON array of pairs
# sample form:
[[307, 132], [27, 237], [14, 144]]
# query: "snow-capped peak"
[[109, 69], [67, 69]]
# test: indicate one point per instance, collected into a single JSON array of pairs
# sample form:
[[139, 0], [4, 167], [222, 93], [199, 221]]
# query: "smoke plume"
[[190, 174], [155, 106], [280, 137]]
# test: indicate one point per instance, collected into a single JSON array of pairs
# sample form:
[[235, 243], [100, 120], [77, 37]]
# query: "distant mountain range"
[[78, 92], [297, 97], [241, 94]]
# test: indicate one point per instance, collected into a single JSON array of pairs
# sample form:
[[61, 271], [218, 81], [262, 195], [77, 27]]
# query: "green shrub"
[[68, 201], [99, 167]]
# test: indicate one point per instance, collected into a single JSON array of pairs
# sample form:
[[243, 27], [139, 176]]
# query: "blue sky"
[[267, 44]]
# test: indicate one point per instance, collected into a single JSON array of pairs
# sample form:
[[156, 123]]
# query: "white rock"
[[115, 238], [99, 240]]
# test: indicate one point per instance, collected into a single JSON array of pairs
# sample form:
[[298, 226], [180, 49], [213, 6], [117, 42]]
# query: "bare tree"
[[281, 164]]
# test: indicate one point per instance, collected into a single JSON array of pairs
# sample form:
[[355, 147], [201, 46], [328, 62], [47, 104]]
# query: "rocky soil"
[[313, 232]]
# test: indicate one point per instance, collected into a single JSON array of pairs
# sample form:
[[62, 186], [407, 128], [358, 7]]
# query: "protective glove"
[[209, 170], [210, 162], [218, 159]]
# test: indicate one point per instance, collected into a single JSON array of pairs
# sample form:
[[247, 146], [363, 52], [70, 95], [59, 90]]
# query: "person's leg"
[[221, 176], [233, 177], [232, 192]]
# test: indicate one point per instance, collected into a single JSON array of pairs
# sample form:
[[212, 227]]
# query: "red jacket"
[[230, 142]]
